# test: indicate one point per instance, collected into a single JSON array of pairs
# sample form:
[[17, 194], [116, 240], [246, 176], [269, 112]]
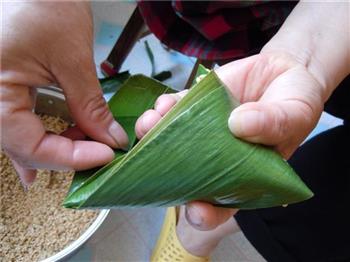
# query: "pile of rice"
[[33, 224]]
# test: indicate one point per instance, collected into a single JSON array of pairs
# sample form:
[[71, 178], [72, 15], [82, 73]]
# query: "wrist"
[[316, 42]]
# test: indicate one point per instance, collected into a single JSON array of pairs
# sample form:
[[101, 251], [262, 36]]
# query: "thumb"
[[87, 105], [282, 124]]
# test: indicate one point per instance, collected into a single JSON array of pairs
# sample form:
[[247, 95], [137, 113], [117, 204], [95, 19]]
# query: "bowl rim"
[[73, 246]]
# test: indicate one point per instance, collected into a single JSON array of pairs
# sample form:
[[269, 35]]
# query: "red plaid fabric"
[[215, 30]]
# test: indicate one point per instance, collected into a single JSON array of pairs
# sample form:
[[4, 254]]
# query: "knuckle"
[[22, 158], [97, 108], [283, 124], [279, 126]]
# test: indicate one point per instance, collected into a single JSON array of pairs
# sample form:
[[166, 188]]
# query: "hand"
[[281, 103], [281, 100], [50, 43]]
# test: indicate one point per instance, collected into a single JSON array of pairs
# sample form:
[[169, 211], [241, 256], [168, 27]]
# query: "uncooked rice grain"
[[33, 224]]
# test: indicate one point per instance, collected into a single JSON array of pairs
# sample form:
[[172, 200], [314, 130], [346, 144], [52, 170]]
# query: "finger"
[[165, 102], [33, 148], [151, 117], [70, 155], [284, 115], [93, 117], [77, 77], [146, 121], [26, 176], [59, 153], [271, 124], [204, 216]]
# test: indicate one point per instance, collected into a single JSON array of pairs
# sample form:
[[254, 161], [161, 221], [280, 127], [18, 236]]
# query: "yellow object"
[[169, 248]]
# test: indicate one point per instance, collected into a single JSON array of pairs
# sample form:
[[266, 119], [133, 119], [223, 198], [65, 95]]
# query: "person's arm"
[[317, 35]]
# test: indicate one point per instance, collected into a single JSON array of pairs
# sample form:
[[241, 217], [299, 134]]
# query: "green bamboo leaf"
[[138, 94], [192, 155], [132, 98]]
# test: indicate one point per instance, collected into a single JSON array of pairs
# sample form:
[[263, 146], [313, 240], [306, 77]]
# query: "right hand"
[[51, 43]]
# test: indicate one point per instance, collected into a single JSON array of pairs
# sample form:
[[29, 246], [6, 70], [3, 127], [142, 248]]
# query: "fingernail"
[[193, 216], [246, 122], [119, 135]]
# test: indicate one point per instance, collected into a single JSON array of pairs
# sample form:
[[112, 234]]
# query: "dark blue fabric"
[[317, 230], [339, 103]]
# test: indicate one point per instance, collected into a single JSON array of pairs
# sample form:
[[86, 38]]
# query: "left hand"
[[51, 43]]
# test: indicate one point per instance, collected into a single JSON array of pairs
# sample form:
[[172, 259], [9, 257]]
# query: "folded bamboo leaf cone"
[[192, 155]]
